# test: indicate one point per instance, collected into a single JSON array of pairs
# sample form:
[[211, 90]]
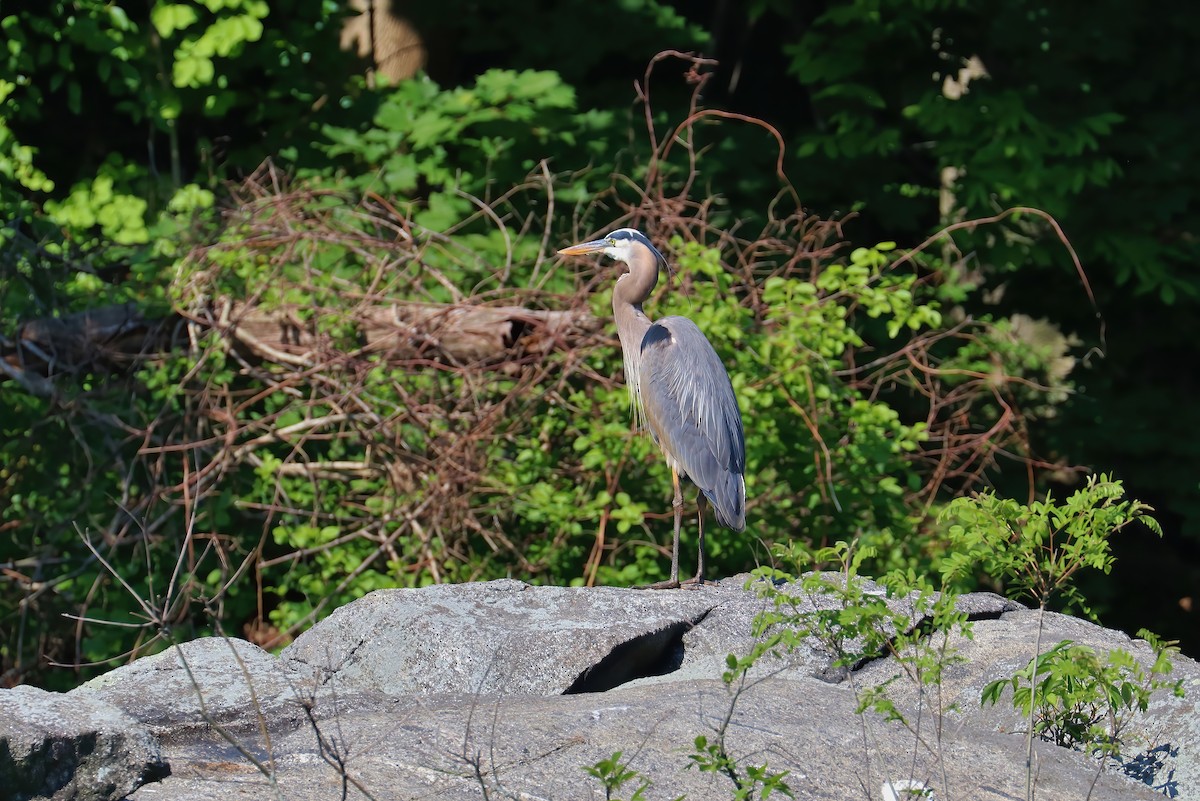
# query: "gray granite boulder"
[[505, 690]]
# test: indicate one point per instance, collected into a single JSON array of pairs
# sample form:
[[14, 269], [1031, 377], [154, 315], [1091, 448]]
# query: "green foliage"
[[852, 620], [1078, 699], [749, 781], [833, 446], [813, 332], [118, 217], [235, 25], [448, 152], [1029, 104], [1072, 695], [338, 481], [576, 38], [297, 487], [165, 69], [16, 160], [614, 774], [1019, 104], [712, 755], [1038, 549]]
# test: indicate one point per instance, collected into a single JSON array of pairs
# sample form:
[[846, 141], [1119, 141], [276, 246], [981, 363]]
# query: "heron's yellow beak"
[[595, 246]]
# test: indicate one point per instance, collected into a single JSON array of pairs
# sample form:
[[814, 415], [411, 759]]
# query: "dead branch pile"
[[117, 338]]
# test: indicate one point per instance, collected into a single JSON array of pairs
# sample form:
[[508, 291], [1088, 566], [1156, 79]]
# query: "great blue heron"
[[681, 392]]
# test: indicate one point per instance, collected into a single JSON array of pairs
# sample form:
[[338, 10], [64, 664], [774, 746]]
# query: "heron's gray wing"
[[691, 410]]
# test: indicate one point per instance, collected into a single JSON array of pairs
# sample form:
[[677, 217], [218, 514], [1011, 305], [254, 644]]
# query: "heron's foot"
[[694, 581], [669, 584]]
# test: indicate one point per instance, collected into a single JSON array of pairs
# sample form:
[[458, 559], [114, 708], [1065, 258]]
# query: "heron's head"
[[627, 245]]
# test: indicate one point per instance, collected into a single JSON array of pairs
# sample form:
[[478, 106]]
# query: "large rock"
[[214, 680], [512, 638], [499, 637], [55, 746], [503, 690], [432, 747]]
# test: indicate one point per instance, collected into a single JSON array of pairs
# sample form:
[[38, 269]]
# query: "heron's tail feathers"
[[728, 501]]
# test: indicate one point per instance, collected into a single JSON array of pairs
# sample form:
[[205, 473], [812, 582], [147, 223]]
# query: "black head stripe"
[[625, 234]]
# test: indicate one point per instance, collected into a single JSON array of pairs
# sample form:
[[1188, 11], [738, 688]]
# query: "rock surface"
[[232, 681], [503, 690], [54, 746]]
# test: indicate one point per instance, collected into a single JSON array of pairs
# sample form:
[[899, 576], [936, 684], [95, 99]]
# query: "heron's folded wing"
[[691, 410]]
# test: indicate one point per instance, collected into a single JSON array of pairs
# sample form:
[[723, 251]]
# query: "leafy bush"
[[1077, 699], [262, 483], [1040, 547], [1070, 694]]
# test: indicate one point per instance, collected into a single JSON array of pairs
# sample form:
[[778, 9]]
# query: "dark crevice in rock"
[[154, 772], [836, 675], [656, 653]]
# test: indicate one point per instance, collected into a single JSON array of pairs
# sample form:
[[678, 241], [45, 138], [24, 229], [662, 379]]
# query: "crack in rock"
[[655, 653], [977, 605]]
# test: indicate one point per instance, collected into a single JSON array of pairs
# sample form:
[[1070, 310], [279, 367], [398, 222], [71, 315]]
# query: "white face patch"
[[621, 250], [622, 244]]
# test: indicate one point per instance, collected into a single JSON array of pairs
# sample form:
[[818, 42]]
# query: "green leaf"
[[169, 18]]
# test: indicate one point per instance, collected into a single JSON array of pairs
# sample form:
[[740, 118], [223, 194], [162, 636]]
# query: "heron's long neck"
[[632, 323], [631, 290]]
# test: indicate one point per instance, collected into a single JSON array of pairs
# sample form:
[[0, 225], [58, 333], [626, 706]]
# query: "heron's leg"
[[672, 582], [678, 504], [701, 505]]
